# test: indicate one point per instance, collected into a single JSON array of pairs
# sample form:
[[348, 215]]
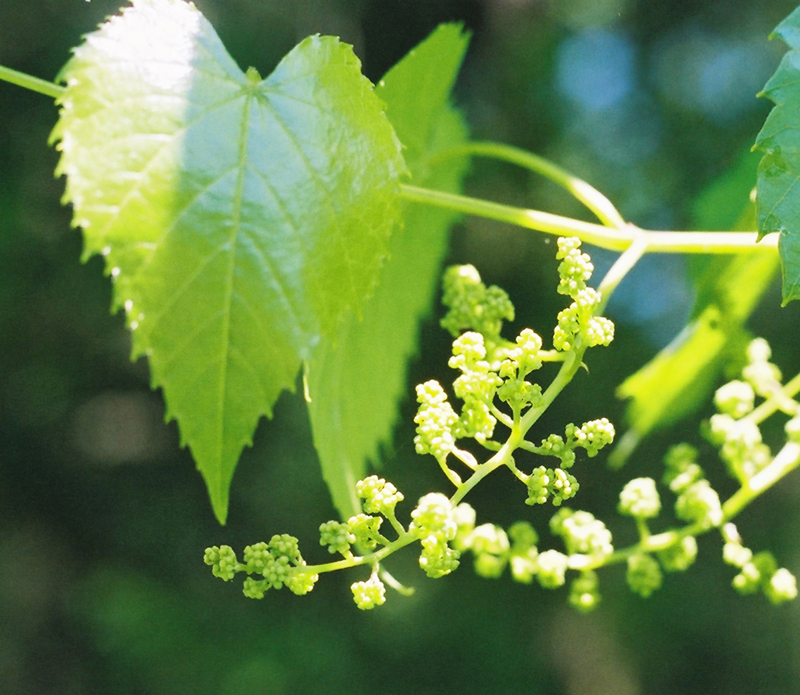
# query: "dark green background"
[[103, 519]]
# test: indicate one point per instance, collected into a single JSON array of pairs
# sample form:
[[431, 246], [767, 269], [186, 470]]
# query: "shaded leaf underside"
[[357, 380]]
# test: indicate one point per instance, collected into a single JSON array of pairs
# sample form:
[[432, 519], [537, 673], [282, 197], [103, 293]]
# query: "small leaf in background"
[[679, 379], [357, 380], [778, 193], [239, 217]]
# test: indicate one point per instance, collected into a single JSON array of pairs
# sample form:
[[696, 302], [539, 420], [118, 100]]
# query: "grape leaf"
[[238, 217], [356, 380], [679, 379], [778, 192]]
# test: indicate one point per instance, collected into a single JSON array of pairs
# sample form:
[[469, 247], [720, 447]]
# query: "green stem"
[[775, 402], [35, 84], [582, 191], [622, 266], [484, 469], [604, 237], [651, 544], [405, 539], [787, 459], [568, 369]]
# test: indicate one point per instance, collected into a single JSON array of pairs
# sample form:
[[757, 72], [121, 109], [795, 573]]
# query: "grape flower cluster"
[[496, 391]]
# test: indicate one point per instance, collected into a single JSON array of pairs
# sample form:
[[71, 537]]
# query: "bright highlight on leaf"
[[239, 217], [778, 198]]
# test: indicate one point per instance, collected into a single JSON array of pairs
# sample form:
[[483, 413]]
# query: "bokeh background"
[[103, 518]]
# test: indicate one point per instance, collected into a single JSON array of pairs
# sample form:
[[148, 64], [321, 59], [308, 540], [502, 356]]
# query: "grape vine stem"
[[611, 238]]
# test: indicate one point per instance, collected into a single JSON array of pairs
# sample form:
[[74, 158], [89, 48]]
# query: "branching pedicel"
[[494, 389]]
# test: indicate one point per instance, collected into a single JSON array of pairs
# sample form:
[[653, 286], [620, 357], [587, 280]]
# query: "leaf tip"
[[219, 503]]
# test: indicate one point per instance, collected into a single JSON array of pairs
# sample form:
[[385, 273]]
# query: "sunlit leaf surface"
[[239, 217], [778, 198]]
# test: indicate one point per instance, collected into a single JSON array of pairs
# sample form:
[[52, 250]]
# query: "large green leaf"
[[680, 378], [778, 197], [239, 217], [356, 380]]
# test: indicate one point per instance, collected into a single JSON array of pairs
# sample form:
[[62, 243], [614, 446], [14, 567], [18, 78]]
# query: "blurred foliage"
[[103, 519]]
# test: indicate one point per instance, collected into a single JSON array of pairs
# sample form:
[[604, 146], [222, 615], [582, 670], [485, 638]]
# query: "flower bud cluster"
[[553, 484], [575, 269], [276, 562], [366, 529], [758, 571], [494, 549], [582, 533], [435, 523], [472, 305], [552, 569], [735, 399], [482, 379], [639, 499], [577, 324], [363, 530], [337, 536], [223, 562], [592, 435], [523, 358], [740, 445], [697, 501], [583, 591], [370, 593], [739, 438], [379, 497], [476, 387], [491, 548], [737, 435], [764, 376], [435, 419], [644, 574], [523, 554], [679, 556], [555, 445], [557, 484]]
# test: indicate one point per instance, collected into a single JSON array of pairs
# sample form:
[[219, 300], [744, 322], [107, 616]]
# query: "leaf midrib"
[[229, 284]]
